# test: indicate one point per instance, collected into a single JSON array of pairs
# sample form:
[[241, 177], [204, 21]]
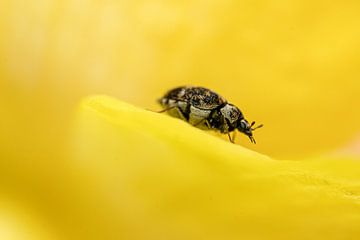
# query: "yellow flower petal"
[[158, 177], [133, 174]]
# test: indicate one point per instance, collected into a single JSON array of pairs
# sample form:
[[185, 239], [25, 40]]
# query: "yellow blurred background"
[[292, 65]]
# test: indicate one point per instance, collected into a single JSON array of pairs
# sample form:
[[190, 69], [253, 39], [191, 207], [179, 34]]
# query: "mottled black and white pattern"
[[206, 109]]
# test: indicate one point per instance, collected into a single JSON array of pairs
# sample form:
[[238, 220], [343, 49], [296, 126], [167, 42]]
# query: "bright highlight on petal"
[[160, 178]]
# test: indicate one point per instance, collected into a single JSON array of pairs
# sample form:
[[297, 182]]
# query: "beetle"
[[205, 109]]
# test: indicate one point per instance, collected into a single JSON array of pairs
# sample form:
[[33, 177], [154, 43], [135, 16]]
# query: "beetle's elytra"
[[206, 109]]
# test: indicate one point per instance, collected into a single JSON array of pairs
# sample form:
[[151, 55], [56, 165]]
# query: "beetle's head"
[[246, 128]]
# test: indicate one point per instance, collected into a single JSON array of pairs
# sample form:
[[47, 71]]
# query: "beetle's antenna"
[[260, 126]]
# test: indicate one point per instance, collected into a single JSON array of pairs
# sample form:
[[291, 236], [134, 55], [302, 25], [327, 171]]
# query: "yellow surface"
[[293, 66], [157, 177]]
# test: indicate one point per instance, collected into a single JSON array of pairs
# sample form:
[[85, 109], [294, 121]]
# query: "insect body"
[[206, 109]]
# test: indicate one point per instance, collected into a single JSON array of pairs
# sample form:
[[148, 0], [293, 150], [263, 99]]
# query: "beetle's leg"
[[181, 114], [199, 122], [204, 120], [166, 109], [230, 139], [207, 124]]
